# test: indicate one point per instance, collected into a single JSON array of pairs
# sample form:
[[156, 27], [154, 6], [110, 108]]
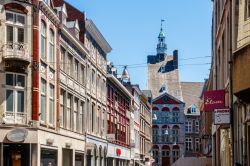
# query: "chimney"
[[175, 58]]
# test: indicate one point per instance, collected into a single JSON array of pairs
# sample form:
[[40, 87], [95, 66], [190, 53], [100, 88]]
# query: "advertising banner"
[[214, 100]]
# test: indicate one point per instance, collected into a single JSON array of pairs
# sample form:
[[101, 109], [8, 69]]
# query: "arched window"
[[176, 114], [43, 40], [51, 47], [165, 115], [155, 133], [155, 150], [165, 151], [165, 134], [176, 152], [175, 133]]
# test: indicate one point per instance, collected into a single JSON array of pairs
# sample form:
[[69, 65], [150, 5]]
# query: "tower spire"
[[161, 46]]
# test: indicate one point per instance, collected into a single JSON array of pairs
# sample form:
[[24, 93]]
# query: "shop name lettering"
[[210, 101]]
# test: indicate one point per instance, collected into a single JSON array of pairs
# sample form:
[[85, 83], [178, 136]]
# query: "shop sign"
[[118, 152], [17, 135], [222, 116], [214, 100], [111, 137]]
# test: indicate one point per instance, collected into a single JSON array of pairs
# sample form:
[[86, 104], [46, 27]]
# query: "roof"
[[191, 92], [166, 98], [148, 93]]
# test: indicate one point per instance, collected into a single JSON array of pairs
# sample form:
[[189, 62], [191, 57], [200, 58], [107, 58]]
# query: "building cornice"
[[119, 84], [98, 37]]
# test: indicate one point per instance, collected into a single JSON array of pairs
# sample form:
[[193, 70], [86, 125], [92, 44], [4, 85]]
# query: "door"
[[165, 161], [16, 158]]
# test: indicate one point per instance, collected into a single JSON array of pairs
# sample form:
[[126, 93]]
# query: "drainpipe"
[[231, 81]]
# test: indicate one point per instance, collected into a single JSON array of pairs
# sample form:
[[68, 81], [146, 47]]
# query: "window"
[[62, 108], [51, 48], [75, 116], [69, 112], [70, 65], [43, 101], [188, 143], [188, 126], [175, 117], [92, 117], [63, 59], [176, 153], [15, 33], [81, 117], [93, 78], [43, 40], [82, 75], [197, 144], [175, 135], [165, 117], [197, 128], [15, 94], [51, 104], [165, 136], [76, 70], [247, 8]]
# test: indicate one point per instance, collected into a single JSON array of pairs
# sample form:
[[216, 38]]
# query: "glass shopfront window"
[[48, 157], [79, 159]]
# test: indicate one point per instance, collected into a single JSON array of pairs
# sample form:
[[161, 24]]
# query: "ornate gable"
[[166, 99]]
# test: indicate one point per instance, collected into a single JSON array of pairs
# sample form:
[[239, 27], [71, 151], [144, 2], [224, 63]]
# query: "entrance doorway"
[[16, 154], [165, 161]]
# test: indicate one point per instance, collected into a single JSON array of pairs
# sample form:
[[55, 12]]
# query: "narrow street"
[[124, 83]]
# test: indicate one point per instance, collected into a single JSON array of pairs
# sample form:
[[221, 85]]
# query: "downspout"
[[231, 80]]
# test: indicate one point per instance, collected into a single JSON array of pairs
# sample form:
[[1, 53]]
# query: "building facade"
[[168, 130], [54, 68], [145, 129], [191, 92], [221, 59], [118, 121]]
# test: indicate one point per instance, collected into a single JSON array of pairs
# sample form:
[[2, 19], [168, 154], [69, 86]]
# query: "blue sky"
[[131, 27]]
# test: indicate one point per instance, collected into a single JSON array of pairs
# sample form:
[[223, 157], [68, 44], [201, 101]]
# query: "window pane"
[[20, 101], [20, 19], [20, 81], [9, 17], [43, 86], [9, 34], [20, 33], [51, 111], [51, 54], [9, 100], [43, 44], [9, 79], [43, 106]]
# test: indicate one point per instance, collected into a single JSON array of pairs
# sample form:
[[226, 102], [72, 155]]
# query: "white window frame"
[[43, 35], [43, 93], [51, 113], [15, 26], [51, 58], [188, 142], [188, 126], [16, 115]]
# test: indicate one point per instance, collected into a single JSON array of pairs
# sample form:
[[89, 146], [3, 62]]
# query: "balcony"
[[17, 52], [15, 118]]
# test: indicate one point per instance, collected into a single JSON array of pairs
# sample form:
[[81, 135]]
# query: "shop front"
[[96, 150], [118, 155]]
